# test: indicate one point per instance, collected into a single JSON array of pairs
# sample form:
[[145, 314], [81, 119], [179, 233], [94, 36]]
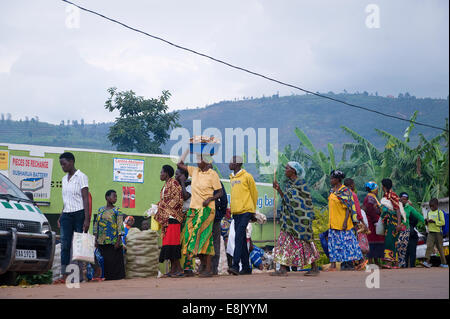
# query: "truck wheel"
[[8, 278]]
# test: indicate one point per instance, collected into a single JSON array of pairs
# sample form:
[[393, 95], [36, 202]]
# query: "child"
[[145, 225], [127, 224], [256, 256], [435, 220]]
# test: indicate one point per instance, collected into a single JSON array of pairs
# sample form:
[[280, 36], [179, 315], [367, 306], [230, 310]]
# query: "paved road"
[[418, 283]]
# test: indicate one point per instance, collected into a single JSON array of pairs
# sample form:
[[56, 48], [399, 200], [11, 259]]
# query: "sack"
[[324, 242], [155, 225], [363, 243], [379, 227], [83, 247]]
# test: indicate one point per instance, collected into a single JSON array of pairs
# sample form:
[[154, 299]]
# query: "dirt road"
[[418, 283]]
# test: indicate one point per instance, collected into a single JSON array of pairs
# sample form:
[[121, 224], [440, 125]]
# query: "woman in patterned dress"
[[343, 245], [294, 247]]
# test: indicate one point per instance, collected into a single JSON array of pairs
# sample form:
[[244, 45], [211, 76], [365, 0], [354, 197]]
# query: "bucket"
[[204, 148]]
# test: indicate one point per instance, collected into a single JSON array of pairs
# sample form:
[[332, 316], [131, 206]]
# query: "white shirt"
[[71, 192], [187, 202]]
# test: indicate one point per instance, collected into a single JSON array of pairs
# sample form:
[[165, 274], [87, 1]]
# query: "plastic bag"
[[379, 227], [83, 246], [155, 225]]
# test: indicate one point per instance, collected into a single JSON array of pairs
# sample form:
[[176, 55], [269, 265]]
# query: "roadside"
[[411, 283]]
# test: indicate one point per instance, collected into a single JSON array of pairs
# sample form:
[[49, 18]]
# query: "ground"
[[412, 283]]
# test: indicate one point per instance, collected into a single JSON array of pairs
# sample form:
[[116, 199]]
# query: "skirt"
[[376, 250], [171, 245], [113, 261], [343, 246], [198, 239], [292, 252]]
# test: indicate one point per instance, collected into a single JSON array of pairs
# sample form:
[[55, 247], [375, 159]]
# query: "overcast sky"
[[58, 67]]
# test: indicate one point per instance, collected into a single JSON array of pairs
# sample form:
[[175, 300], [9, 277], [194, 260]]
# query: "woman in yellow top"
[[342, 243]]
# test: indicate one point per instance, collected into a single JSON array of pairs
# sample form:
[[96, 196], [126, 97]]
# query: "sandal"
[[332, 269], [59, 281], [205, 274]]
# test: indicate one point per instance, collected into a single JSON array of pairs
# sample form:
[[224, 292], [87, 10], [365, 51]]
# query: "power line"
[[255, 73]]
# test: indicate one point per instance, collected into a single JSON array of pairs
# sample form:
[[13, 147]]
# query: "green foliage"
[[143, 124], [28, 279]]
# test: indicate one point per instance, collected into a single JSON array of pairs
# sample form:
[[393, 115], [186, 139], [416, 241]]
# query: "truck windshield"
[[8, 188]]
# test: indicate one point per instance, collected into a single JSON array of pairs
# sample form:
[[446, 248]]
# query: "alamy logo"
[[233, 144]]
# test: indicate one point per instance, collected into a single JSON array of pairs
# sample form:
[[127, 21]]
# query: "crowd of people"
[[193, 215]]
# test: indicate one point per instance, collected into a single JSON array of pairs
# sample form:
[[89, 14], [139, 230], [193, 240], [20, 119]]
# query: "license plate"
[[26, 254]]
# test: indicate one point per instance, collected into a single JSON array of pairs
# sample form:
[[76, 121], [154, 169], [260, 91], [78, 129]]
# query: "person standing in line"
[[170, 216], [295, 246], [75, 213], [108, 228], [359, 225], [198, 233], [221, 208], [435, 220], [342, 243], [244, 197], [182, 177], [394, 230], [412, 218], [372, 207]]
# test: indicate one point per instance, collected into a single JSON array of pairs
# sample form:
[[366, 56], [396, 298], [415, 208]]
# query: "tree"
[[143, 124]]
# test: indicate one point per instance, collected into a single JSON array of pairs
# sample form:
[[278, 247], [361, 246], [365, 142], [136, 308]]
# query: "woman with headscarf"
[[343, 245], [372, 207], [394, 229], [294, 247]]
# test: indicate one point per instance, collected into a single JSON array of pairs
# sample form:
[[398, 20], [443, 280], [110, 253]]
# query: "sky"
[[57, 62]]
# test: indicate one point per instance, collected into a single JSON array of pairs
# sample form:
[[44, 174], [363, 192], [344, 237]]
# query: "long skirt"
[[402, 247], [113, 262], [343, 246], [390, 235], [293, 252], [198, 239], [171, 245]]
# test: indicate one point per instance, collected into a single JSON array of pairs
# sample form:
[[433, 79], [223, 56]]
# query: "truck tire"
[[8, 278]]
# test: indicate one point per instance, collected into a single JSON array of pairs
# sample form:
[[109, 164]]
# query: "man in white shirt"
[[75, 215]]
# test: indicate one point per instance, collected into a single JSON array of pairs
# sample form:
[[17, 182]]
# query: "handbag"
[[363, 243], [83, 247], [379, 227]]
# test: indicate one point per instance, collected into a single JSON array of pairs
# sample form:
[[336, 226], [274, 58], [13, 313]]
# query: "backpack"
[[446, 226]]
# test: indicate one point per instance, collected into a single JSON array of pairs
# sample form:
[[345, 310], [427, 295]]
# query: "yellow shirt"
[[203, 186], [244, 194], [337, 211]]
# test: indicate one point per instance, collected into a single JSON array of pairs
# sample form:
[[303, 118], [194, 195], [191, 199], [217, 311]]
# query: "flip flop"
[[332, 269], [59, 281], [176, 275], [312, 273], [362, 265]]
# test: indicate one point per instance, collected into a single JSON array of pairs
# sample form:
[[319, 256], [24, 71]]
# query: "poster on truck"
[[32, 174], [128, 170]]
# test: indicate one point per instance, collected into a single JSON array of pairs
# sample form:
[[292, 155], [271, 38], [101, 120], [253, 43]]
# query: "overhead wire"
[[255, 73]]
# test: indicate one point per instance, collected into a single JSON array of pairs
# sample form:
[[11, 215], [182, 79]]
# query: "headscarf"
[[298, 168], [372, 186]]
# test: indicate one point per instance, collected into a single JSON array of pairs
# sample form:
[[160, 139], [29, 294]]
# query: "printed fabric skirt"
[[171, 245], [293, 252], [197, 237], [343, 246]]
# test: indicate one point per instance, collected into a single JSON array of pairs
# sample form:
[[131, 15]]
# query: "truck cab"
[[27, 243]]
